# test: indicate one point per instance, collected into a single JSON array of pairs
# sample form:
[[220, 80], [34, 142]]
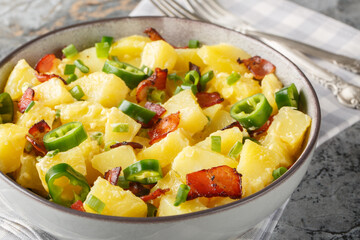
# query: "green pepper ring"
[[146, 171], [6, 108]]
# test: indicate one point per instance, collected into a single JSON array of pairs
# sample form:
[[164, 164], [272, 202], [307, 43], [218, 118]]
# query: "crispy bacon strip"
[[113, 175], [234, 124], [163, 127], [258, 66], [158, 109], [153, 34], [78, 205], [157, 193], [132, 144], [157, 80], [45, 63], [26, 99], [263, 128], [193, 66], [138, 189], [37, 132], [208, 99], [221, 181], [43, 77]]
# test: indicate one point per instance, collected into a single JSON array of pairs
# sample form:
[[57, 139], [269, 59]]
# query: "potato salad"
[[138, 127]]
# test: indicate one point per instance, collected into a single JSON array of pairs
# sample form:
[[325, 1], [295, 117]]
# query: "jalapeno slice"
[[131, 75], [66, 185], [6, 108], [136, 112], [147, 171], [65, 137], [252, 112], [287, 96]]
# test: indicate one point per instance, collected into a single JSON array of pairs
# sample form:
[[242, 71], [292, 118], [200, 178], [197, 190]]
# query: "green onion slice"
[[185, 86], [192, 77], [102, 49], [120, 127], [31, 104], [6, 108], [123, 183], [216, 143], [287, 96], [147, 171], [69, 69], [157, 96], [235, 150], [147, 70], [233, 78], [65, 137], [81, 66], [278, 172], [94, 203], [136, 112], [182, 194], [70, 51], [71, 78], [194, 43], [152, 210], [205, 79], [107, 39], [99, 137], [77, 92], [53, 153], [175, 77]]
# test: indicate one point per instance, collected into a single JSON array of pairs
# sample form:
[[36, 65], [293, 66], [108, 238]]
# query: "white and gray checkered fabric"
[[274, 16]]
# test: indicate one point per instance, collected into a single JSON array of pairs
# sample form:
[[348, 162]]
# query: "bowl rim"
[[144, 220]]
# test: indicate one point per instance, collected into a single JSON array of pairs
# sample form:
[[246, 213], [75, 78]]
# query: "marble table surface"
[[326, 205]]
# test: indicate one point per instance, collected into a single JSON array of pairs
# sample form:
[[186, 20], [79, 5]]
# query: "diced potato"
[[192, 118], [219, 201], [142, 140], [122, 156], [159, 54], [222, 58], [75, 157], [21, 75], [256, 166], [118, 202], [212, 110], [290, 126], [52, 93], [37, 113], [89, 149], [269, 85], [193, 159], [129, 47], [167, 208], [90, 59], [228, 138], [166, 150], [92, 115], [186, 55], [171, 180], [117, 116], [243, 88], [27, 175], [11, 146], [275, 144], [106, 89]]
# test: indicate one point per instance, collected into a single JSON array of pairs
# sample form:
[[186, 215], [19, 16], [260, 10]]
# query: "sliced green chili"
[[6, 108], [70, 51], [194, 43], [131, 75], [147, 171], [233, 78], [77, 92], [95, 204], [75, 179], [205, 79], [287, 96], [251, 139], [65, 137], [71, 78], [235, 150], [31, 104], [252, 112], [120, 127], [136, 112], [278, 172], [216, 143], [81, 66], [152, 210], [182, 194]]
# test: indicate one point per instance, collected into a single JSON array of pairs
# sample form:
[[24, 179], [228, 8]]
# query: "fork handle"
[[347, 63]]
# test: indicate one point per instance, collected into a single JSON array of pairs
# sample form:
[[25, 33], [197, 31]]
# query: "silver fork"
[[346, 93]]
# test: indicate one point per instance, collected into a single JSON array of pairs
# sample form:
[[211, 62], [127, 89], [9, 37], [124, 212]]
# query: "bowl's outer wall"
[[220, 223]]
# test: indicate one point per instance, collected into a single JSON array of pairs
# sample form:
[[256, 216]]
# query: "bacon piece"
[[153, 34], [163, 127], [221, 181], [26, 99], [138, 189], [263, 128], [45, 63], [132, 144], [157, 80], [158, 109], [258, 66], [43, 77], [208, 99], [193, 66], [113, 175], [37, 132], [157, 193], [234, 124], [78, 205]]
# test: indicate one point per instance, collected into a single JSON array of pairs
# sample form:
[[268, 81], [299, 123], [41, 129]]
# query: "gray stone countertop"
[[326, 205]]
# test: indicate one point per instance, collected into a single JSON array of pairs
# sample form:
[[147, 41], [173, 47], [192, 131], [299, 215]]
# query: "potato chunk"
[[37, 113], [159, 54], [118, 202], [269, 85]]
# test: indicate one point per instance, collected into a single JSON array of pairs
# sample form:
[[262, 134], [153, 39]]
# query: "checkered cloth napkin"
[[278, 17]]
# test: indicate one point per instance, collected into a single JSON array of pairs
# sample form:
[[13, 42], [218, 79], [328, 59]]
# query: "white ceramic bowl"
[[224, 222]]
